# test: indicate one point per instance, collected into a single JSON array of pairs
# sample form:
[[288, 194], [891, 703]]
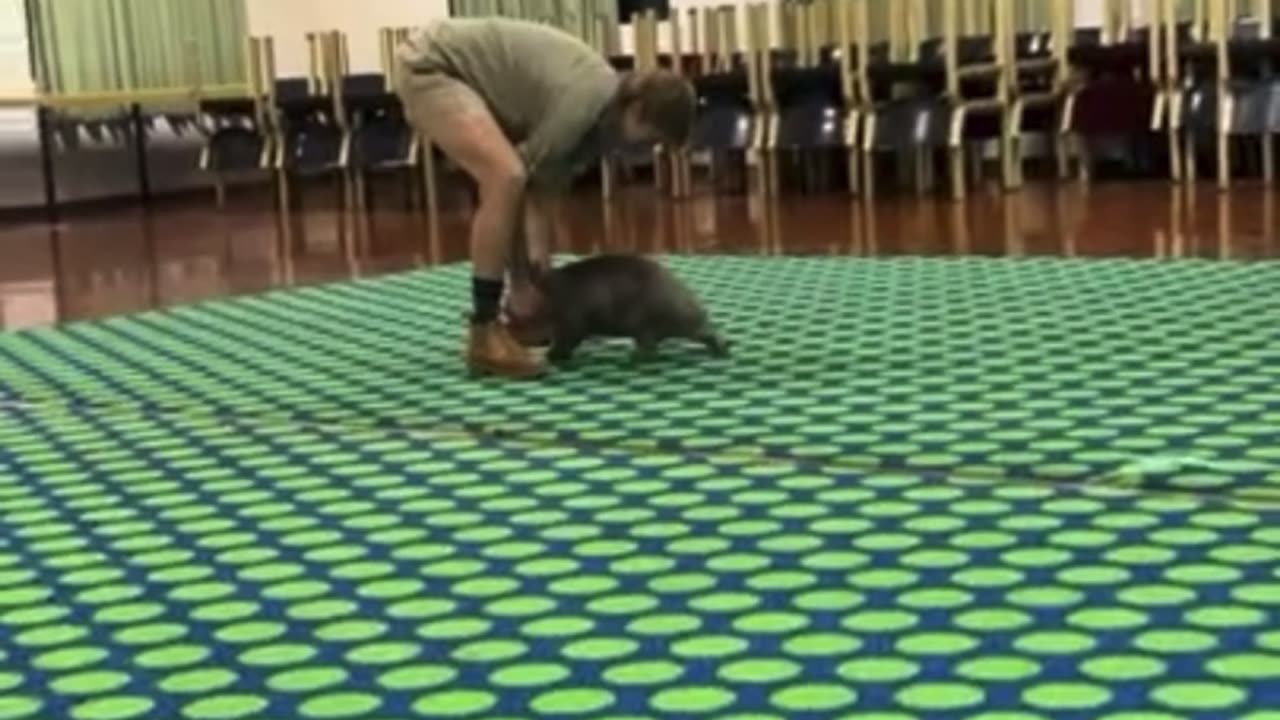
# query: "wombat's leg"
[[716, 345], [563, 346], [646, 348]]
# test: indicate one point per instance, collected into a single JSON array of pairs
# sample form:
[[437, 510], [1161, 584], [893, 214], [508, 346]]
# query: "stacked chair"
[[1227, 66], [797, 94], [238, 139], [946, 92], [1037, 78], [328, 125], [729, 104], [1122, 86]]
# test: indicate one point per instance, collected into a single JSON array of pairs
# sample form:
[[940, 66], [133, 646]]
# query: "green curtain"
[[110, 45], [973, 16], [580, 17]]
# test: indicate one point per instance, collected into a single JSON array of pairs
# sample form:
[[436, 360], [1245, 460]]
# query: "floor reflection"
[[124, 261]]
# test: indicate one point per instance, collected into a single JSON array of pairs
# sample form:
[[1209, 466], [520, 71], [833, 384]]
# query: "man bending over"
[[522, 107]]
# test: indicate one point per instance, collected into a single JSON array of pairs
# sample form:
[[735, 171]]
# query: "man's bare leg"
[[456, 120]]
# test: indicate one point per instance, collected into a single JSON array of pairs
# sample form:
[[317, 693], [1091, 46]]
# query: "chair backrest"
[[817, 85], [1030, 45], [1087, 37], [364, 85], [970, 49], [292, 89], [726, 118], [723, 87]]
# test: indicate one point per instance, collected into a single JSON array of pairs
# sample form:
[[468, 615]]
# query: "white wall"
[[1089, 13], [19, 169], [107, 170], [288, 21], [15, 70]]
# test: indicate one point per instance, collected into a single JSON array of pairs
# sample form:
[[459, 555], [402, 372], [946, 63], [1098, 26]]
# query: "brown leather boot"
[[491, 350]]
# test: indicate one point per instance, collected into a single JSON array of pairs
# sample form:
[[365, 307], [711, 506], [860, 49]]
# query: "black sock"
[[486, 297]]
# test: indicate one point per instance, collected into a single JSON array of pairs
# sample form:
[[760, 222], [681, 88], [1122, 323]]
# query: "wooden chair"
[[238, 137], [1115, 86], [729, 114], [1037, 78], [807, 89], [1234, 92]]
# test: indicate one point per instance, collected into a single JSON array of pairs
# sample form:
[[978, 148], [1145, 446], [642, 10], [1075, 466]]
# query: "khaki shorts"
[[433, 98]]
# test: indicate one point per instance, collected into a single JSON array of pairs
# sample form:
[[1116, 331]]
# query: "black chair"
[[380, 142], [235, 141], [811, 118], [310, 143], [727, 121], [381, 138], [1115, 97], [311, 136], [1253, 91]]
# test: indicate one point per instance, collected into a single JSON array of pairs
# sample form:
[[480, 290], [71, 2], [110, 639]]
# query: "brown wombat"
[[621, 296]]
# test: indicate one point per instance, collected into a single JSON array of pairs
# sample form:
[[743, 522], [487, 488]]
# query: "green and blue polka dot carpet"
[[920, 489]]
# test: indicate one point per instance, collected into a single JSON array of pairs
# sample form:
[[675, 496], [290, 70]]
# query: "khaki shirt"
[[548, 90]]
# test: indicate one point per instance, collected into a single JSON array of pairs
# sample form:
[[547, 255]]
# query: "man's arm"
[[545, 230], [536, 234], [548, 149]]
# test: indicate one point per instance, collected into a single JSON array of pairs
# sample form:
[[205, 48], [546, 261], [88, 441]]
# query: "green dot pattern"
[[979, 488]]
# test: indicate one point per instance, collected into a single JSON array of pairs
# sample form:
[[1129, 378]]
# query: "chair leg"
[[1013, 145], [868, 168], [662, 172], [867, 161], [853, 125], [925, 160], [1006, 171], [1224, 159], [1084, 159], [1175, 152], [285, 254], [686, 174], [348, 219], [363, 213], [1018, 167], [607, 177], [851, 162], [956, 155], [903, 169], [771, 164], [973, 162], [1062, 155], [955, 149], [1175, 156], [430, 189], [1190, 163], [1063, 138], [1268, 158]]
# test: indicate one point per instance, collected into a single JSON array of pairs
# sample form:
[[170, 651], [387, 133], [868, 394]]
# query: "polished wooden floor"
[[99, 264]]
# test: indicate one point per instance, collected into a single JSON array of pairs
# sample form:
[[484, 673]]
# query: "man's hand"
[[531, 251]]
